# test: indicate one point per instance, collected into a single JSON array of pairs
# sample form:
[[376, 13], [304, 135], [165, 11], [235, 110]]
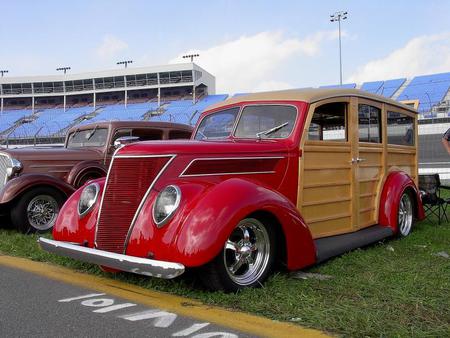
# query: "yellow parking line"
[[239, 321]]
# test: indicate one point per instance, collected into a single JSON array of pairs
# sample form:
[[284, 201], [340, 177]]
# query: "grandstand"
[[41, 108]]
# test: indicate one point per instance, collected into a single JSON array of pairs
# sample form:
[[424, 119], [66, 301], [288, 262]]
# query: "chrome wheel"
[[42, 212], [405, 215], [247, 251]]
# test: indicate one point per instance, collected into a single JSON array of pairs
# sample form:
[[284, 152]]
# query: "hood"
[[209, 147], [49, 153]]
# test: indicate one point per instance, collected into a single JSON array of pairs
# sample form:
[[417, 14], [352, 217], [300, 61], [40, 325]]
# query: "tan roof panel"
[[309, 95]]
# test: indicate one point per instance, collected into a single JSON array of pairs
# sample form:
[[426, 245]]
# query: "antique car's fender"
[[69, 227], [208, 225], [396, 183], [22, 183], [85, 169]]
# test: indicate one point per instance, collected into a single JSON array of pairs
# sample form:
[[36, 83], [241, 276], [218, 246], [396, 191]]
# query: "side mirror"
[[121, 141]]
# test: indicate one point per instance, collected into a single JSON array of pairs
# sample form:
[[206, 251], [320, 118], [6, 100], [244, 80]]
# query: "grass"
[[397, 288]]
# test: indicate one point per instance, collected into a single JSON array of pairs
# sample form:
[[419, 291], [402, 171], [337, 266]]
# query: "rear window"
[[400, 129]]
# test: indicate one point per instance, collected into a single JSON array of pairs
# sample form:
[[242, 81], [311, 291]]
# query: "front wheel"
[[37, 210], [405, 217], [246, 259]]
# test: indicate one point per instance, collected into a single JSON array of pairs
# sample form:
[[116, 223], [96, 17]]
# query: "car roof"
[[309, 95], [134, 124]]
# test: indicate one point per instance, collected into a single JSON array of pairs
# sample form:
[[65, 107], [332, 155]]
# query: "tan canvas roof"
[[309, 95]]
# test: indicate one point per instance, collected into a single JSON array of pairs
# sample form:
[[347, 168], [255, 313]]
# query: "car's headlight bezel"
[[176, 204], [94, 200], [14, 167]]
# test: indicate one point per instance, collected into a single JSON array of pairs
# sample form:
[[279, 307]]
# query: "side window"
[[179, 134], [400, 129], [147, 134], [369, 123], [121, 133], [329, 123]]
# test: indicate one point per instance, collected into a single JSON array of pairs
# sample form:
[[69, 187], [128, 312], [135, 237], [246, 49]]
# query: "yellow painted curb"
[[240, 321]]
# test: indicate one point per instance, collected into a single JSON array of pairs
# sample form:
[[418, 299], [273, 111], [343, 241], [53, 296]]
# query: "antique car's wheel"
[[405, 217], [246, 259], [37, 210]]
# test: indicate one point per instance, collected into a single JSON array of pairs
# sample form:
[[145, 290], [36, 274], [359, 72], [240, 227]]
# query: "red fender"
[[82, 168], [69, 227], [209, 224], [24, 182], [396, 183]]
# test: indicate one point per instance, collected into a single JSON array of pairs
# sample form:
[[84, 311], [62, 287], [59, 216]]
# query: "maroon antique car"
[[294, 177], [35, 181]]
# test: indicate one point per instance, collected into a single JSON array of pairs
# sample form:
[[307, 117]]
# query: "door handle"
[[357, 160]]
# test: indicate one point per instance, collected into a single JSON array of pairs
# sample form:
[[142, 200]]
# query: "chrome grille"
[[4, 163], [129, 179]]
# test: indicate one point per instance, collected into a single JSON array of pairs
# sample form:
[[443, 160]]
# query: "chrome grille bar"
[[5, 161]]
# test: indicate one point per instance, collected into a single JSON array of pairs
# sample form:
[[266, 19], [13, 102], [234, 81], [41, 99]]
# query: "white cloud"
[[250, 63], [110, 47], [422, 55]]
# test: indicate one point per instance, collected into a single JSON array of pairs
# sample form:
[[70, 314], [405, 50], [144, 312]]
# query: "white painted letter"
[[190, 330], [114, 307], [80, 297], [162, 318], [98, 302]]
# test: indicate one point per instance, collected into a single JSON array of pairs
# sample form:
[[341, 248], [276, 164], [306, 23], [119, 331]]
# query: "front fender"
[[81, 168], [209, 224], [20, 184], [69, 227], [396, 183]]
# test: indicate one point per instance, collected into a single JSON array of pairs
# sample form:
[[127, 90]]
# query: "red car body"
[[221, 182]]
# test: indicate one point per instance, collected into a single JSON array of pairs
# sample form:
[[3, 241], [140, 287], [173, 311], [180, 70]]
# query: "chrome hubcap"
[[405, 215], [42, 212], [246, 253]]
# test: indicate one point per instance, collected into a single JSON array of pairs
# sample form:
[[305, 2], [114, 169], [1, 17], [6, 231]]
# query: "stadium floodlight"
[[338, 16], [64, 69], [125, 62], [191, 56], [4, 71]]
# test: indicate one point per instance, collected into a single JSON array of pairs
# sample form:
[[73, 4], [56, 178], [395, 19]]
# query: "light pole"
[[64, 69], [125, 62], [191, 56], [4, 71], [338, 16]]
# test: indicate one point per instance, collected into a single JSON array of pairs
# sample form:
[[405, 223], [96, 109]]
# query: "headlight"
[[14, 167], [88, 198], [165, 205]]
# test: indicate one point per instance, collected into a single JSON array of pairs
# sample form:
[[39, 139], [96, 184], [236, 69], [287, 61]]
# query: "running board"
[[336, 245]]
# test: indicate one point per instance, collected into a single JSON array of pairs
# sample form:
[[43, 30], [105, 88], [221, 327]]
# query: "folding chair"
[[430, 189]]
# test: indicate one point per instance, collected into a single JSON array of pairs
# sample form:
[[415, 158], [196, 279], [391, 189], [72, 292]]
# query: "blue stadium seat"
[[428, 89], [384, 88]]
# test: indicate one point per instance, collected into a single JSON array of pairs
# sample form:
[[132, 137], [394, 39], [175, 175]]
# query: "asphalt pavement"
[[32, 305]]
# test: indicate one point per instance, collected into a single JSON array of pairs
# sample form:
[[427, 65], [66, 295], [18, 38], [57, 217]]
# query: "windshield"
[[217, 125], [95, 137], [266, 121]]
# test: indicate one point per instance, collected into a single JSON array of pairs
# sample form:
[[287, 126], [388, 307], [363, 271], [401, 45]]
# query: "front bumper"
[[141, 266]]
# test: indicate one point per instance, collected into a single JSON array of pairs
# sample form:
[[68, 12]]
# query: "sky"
[[247, 45]]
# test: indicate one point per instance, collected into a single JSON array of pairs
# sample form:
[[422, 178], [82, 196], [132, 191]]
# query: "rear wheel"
[[405, 217], [37, 210], [246, 259]]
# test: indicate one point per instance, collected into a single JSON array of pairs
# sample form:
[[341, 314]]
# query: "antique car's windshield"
[[95, 137], [217, 125], [266, 121]]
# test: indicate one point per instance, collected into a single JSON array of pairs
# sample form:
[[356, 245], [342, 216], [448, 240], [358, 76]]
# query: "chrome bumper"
[[141, 266]]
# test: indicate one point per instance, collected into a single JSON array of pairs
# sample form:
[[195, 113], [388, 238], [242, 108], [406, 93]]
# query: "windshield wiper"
[[271, 130], [93, 132]]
